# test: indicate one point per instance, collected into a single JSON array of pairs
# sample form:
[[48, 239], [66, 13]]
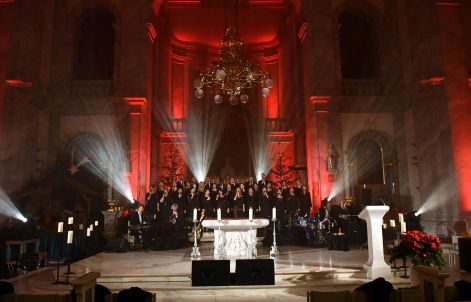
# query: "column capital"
[[136, 104], [320, 103]]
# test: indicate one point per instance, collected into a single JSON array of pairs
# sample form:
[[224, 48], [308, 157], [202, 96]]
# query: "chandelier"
[[232, 77]]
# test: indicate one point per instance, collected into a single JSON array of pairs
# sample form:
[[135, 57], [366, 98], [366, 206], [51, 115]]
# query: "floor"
[[168, 274]]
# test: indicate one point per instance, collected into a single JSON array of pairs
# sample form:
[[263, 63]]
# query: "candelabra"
[[195, 253], [57, 281], [274, 249]]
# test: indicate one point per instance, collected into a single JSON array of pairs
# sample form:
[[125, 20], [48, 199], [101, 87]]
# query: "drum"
[[300, 222]]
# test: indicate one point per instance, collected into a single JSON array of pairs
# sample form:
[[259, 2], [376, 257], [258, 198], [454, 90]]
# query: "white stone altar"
[[235, 238], [376, 266]]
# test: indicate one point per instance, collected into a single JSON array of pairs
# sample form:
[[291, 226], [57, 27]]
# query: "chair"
[[338, 296], [408, 294]]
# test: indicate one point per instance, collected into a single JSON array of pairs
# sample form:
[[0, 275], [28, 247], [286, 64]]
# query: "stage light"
[[8, 208], [105, 155]]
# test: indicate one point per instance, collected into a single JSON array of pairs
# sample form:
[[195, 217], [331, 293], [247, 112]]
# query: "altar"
[[235, 238]]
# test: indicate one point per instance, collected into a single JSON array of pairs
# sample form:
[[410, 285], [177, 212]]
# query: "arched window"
[[95, 46], [369, 160], [358, 47]]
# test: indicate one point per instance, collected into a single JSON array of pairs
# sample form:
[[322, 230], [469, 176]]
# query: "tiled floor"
[[168, 274]]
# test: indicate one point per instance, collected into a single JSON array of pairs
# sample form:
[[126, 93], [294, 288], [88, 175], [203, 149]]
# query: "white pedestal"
[[376, 266], [235, 238]]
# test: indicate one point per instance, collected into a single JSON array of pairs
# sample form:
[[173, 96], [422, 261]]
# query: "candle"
[[60, 227], [403, 227], [401, 217], [219, 214], [273, 213], [70, 220], [250, 213], [96, 222], [195, 214], [70, 237], [385, 226], [88, 232], [91, 227], [80, 226], [392, 223]]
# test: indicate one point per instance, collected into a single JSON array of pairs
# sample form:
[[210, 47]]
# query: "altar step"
[[339, 279]]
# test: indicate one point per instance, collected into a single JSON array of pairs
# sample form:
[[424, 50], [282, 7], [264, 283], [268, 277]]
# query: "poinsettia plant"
[[423, 249]]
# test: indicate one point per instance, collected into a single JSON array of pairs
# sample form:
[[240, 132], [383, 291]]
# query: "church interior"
[[156, 144]]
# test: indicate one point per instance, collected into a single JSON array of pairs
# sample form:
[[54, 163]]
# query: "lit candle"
[[403, 227], [250, 213], [401, 217], [385, 226], [392, 223], [60, 227], [219, 214], [96, 222], [88, 232], [70, 220], [91, 227], [273, 213], [80, 226], [70, 237], [195, 214]]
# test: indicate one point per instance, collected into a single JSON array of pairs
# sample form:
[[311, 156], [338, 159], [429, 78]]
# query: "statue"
[[332, 158]]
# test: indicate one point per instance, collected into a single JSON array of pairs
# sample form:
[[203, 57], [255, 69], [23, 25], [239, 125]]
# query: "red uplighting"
[[18, 83]]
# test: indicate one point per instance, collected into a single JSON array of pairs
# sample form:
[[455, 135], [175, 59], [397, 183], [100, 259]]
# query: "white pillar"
[[376, 266]]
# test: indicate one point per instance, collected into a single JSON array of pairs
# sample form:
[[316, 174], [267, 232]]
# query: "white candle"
[[250, 213], [96, 222], [403, 227], [401, 217], [385, 226], [80, 226], [60, 227], [273, 213], [88, 232], [70, 220], [70, 237], [195, 214], [392, 223], [91, 227], [219, 214]]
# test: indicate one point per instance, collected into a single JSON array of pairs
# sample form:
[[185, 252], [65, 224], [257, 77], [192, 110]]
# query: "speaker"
[[210, 273], [117, 245], [255, 272]]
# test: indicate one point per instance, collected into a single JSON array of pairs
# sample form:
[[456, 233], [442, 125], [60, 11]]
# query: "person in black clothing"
[[221, 203], [151, 202], [292, 206], [266, 205], [164, 206], [262, 182], [180, 200], [137, 217], [250, 183], [193, 202], [208, 204], [250, 201], [305, 202], [239, 206], [284, 189]]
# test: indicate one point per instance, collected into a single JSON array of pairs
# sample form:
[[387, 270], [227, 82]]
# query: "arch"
[[359, 27], [369, 151], [95, 43]]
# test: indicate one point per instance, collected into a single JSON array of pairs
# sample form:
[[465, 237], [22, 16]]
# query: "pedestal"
[[376, 266], [110, 223]]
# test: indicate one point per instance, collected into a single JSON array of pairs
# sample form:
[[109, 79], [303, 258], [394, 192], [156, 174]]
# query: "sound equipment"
[[117, 245], [464, 246], [210, 273], [255, 272]]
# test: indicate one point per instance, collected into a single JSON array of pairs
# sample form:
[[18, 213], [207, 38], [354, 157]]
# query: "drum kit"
[[316, 231]]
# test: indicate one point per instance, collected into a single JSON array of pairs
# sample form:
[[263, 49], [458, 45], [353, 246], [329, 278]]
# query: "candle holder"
[[251, 250], [220, 240], [57, 281], [195, 253], [274, 249], [405, 276]]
